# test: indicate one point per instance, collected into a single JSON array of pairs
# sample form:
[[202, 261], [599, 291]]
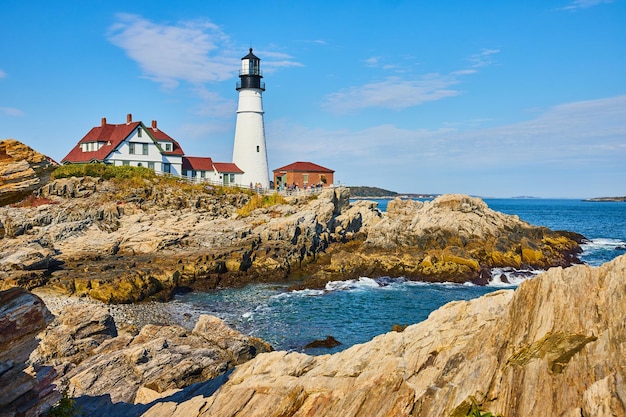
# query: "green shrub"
[[66, 407], [106, 172]]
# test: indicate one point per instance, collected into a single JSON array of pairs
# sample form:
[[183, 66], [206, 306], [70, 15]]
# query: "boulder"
[[93, 359], [22, 171], [26, 390]]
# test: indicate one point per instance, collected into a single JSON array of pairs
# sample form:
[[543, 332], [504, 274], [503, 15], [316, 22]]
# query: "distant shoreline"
[[391, 197], [606, 199]]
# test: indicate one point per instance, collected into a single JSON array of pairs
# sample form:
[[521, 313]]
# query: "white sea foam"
[[363, 283], [509, 277], [603, 243]]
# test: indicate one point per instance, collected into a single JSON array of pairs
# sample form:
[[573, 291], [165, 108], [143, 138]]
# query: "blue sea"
[[355, 311]]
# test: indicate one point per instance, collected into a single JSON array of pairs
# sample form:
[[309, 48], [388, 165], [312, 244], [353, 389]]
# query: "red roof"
[[112, 136], [304, 167], [164, 137], [227, 167], [197, 163]]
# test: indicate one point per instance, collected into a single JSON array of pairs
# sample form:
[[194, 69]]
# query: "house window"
[[193, 174], [151, 165], [139, 132], [139, 164], [145, 149], [184, 172], [305, 178], [167, 168], [125, 163], [131, 148], [202, 174], [168, 147], [232, 178], [258, 149]]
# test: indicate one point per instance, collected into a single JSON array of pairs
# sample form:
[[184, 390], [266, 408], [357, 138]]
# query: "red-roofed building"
[[200, 169], [135, 144], [303, 175]]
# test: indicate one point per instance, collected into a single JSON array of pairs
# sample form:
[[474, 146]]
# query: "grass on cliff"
[[128, 177], [103, 171], [260, 201]]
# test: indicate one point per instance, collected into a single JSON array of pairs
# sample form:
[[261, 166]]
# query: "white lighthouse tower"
[[249, 151]]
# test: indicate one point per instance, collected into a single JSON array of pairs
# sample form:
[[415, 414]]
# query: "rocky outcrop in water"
[[553, 347], [24, 390], [452, 238], [22, 171]]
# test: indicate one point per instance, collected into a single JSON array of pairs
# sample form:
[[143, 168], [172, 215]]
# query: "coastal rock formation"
[[25, 390], [122, 241], [92, 358], [22, 171], [452, 238], [553, 347]]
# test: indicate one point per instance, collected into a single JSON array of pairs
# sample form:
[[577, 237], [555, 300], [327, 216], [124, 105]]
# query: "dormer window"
[[139, 132], [168, 147]]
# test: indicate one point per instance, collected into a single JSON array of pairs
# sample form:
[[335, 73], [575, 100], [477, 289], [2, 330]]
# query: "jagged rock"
[[453, 237], [26, 390], [92, 359], [22, 170], [125, 243], [553, 347]]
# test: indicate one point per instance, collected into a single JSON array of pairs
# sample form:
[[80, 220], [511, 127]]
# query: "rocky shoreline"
[[101, 254], [141, 240], [547, 348]]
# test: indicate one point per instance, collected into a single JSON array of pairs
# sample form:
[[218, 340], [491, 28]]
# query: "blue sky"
[[487, 98]]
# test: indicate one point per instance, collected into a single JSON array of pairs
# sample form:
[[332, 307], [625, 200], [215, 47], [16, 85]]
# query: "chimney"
[[104, 121], [129, 118], [154, 125]]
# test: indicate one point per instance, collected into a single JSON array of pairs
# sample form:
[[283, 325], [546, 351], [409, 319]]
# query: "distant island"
[[361, 191], [607, 199]]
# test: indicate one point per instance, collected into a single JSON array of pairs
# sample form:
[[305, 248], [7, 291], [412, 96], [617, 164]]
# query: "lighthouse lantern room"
[[249, 151]]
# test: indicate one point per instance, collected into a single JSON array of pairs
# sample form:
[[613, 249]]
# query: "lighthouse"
[[249, 151]]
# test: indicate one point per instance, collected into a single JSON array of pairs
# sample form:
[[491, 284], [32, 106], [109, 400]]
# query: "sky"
[[487, 98]]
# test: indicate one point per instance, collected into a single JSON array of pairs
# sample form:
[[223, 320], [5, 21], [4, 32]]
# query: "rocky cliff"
[[22, 170], [96, 358], [125, 241], [25, 390], [553, 347]]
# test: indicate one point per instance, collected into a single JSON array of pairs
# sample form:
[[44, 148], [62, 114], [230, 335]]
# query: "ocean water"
[[355, 311]]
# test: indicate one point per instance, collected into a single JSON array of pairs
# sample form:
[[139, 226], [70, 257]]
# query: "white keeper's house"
[[134, 144]]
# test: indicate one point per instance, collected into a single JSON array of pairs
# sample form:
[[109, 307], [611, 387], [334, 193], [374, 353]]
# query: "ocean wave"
[[604, 243], [600, 250], [510, 277]]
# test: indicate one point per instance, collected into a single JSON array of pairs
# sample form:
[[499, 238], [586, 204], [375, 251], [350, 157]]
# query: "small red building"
[[303, 175]]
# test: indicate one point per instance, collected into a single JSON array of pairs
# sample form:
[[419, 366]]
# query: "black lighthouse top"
[[250, 73]]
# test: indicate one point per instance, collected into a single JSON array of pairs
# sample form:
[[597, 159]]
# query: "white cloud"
[[393, 93], [584, 4], [196, 51], [483, 58], [575, 140], [2, 74], [372, 61], [10, 111], [193, 51], [401, 92], [214, 105]]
